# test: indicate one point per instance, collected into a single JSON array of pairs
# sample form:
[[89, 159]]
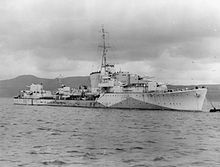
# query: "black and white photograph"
[[109, 83]]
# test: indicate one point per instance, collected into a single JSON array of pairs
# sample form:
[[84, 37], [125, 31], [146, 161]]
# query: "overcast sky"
[[176, 41]]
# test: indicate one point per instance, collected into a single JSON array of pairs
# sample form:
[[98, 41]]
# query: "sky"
[[174, 41]]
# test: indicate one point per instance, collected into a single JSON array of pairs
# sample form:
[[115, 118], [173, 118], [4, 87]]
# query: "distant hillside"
[[11, 87]]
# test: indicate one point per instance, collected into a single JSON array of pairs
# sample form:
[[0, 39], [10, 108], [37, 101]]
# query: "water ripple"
[[56, 136], [54, 162]]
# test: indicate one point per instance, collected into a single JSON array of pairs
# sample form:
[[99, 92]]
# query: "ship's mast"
[[104, 51]]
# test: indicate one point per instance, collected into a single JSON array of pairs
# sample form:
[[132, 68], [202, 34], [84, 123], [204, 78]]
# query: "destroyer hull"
[[187, 100], [31, 101]]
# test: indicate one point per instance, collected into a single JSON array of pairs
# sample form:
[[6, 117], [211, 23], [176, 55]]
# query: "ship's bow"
[[200, 95]]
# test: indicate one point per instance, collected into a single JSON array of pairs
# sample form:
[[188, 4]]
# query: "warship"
[[116, 89]]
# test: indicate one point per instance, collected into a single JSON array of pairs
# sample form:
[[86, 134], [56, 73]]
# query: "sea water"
[[35, 136]]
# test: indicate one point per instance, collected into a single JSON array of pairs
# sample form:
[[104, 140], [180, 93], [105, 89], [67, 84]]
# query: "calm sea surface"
[[38, 136]]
